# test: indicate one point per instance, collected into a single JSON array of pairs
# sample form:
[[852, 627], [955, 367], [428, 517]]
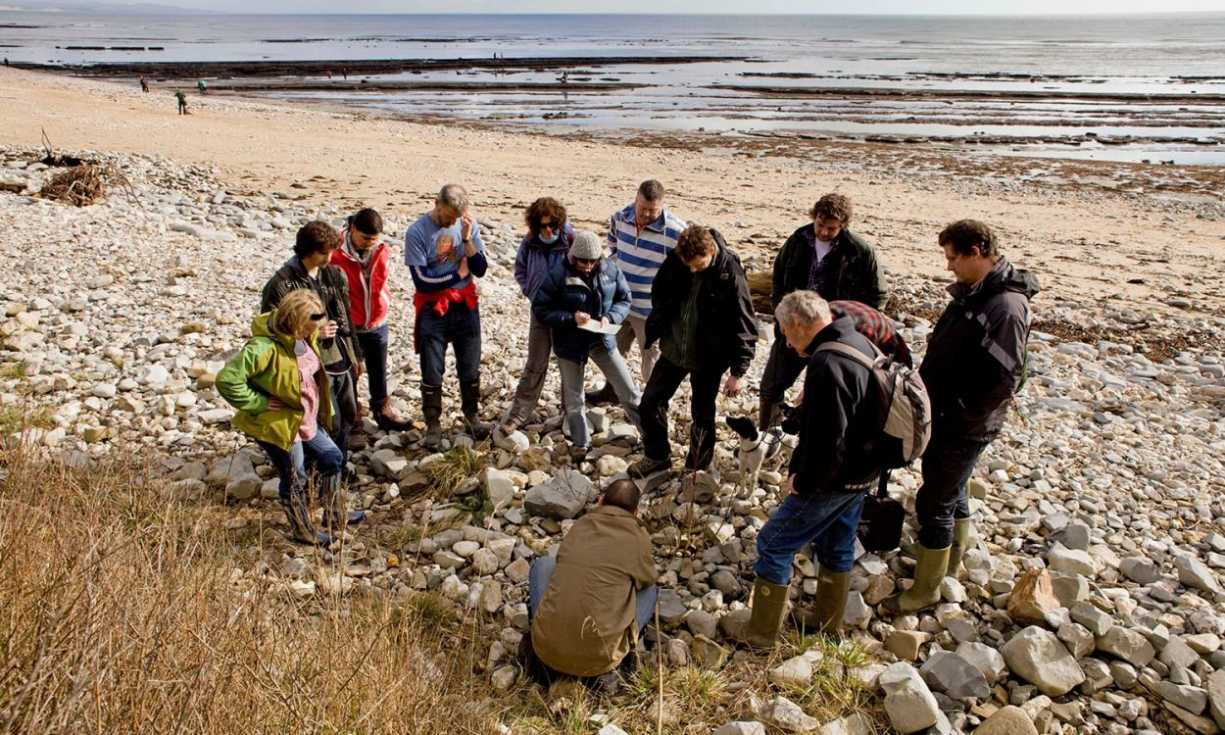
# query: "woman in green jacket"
[[284, 403]]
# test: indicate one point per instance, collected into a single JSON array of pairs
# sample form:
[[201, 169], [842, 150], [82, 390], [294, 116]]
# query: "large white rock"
[[910, 705], [1037, 656]]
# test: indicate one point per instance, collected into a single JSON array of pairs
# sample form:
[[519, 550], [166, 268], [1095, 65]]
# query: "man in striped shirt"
[[640, 236]]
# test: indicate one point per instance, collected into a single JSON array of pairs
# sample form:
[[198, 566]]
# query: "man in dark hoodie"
[[702, 316], [828, 258], [974, 364]]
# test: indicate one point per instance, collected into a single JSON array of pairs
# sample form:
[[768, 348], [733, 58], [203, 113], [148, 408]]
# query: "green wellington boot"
[[769, 609], [928, 575], [963, 531], [829, 606]]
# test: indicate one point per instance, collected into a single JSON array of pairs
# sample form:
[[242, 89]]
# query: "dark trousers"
[[947, 466], [374, 345], [460, 327], [783, 368], [665, 379], [344, 397]]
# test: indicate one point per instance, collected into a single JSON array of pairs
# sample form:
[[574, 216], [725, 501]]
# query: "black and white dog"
[[756, 448]]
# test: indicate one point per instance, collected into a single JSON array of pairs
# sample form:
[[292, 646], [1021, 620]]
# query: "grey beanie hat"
[[587, 246]]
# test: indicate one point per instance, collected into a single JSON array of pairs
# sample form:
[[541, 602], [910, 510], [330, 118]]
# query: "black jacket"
[[564, 291], [855, 273], [840, 418], [332, 288], [975, 357], [727, 329]]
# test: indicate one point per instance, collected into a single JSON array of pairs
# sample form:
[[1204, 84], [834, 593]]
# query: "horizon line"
[[173, 10]]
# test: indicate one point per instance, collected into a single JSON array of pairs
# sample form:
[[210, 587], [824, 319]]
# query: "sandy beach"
[[1137, 251]]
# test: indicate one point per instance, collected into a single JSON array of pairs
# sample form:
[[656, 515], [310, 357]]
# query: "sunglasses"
[[586, 261], [318, 317]]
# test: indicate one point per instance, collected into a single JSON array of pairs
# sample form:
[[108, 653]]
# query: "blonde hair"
[[293, 314]]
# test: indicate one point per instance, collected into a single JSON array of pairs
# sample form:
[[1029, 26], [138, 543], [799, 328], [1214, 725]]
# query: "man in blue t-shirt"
[[444, 252]]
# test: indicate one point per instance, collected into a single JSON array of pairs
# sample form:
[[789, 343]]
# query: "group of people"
[[679, 292]]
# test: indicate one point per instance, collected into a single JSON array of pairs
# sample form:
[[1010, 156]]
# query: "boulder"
[[1037, 656], [953, 675], [1009, 720], [909, 703], [1033, 597], [565, 496]]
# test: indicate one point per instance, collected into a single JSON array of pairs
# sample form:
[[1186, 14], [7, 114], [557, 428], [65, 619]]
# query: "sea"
[[1102, 87]]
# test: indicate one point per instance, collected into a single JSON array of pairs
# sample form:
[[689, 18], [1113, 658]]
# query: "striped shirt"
[[639, 256]]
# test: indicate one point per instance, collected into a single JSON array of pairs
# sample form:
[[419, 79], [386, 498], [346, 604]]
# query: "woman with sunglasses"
[[547, 241], [284, 402]]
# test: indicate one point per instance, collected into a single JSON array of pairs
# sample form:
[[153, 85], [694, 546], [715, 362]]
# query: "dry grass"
[[455, 467], [17, 419], [79, 186], [120, 611]]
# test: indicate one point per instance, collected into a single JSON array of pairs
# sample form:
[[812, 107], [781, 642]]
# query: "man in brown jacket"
[[589, 603]]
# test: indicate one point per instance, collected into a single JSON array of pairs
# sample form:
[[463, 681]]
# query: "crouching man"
[[832, 468], [589, 604]]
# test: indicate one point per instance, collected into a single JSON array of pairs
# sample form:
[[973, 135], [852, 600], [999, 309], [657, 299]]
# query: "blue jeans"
[[538, 583], [325, 458], [947, 466], [374, 346], [829, 521], [616, 374], [460, 327]]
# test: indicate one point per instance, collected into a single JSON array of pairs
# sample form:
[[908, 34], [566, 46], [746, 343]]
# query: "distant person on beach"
[[702, 317], [344, 73], [444, 254], [308, 269], [582, 290], [543, 248], [364, 258], [284, 402], [202, 86], [974, 364], [826, 257], [640, 237], [182, 98], [144, 84], [588, 605]]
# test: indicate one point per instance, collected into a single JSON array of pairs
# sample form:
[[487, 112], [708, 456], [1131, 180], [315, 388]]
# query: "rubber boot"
[[928, 575], [335, 513], [602, 397], [829, 606], [963, 530], [769, 609], [470, 398], [431, 407], [768, 414], [297, 513]]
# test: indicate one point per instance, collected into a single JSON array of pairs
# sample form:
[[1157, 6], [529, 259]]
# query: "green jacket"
[[267, 367]]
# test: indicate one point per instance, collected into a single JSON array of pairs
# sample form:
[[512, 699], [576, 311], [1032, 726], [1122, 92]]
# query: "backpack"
[[903, 398]]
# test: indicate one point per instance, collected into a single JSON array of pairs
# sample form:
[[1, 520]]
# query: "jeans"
[[635, 328], [344, 398], [947, 466], [324, 456], [615, 372], [783, 368], [531, 382], [460, 327], [374, 344], [829, 521], [665, 379], [538, 583]]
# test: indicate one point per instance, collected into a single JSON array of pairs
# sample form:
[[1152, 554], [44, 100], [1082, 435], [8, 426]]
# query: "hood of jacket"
[[1003, 276]]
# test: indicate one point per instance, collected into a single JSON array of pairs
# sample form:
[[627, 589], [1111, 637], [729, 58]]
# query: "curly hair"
[[832, 206], [542, 208], [695, 241], [316, 237], [966, 234]]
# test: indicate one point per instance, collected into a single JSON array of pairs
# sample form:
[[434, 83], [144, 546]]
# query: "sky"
[[1005, 7]]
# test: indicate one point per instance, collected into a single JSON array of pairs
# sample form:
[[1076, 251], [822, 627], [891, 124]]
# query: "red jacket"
[[368, 299]]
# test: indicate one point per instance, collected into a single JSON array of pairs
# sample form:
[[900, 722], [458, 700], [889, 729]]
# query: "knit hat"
[[586, 246]]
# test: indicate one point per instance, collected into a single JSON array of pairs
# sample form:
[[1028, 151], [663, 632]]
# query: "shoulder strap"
[[847, 351]]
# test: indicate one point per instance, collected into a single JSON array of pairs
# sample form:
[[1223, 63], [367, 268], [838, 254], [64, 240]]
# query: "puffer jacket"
[[266, 367], [564, 292], [537, 258], [727, 328], [975, 358]]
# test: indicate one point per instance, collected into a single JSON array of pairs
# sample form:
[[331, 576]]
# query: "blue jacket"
[[535, 259], [564, 292]]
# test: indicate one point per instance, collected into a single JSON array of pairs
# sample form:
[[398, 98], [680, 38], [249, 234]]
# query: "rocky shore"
[[1092, 601]]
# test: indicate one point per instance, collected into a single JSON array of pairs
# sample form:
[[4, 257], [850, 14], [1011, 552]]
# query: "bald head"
[[622, 494]]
